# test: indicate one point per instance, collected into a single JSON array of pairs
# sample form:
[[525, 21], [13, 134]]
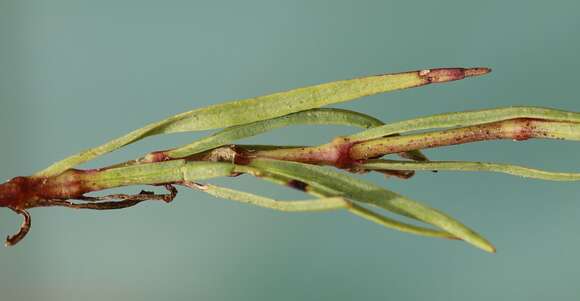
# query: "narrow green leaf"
[[322, 191], [471, 166], [394, 224], [321, 204], [270, 106], [367, 192], [466, 118], [309, 117]]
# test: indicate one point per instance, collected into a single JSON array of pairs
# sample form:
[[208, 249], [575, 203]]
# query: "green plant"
[[301, 167]]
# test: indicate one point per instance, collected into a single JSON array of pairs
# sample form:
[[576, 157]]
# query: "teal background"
[[74, 74]]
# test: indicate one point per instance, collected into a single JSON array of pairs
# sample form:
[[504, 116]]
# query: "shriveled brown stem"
[[142, 196], [125, 200], [24, 228]]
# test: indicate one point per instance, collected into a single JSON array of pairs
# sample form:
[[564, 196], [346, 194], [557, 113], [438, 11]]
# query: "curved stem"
[[24, 228]]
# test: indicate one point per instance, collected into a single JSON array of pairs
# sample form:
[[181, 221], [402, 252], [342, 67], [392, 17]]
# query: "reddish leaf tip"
[[441, 75], [476, 71]]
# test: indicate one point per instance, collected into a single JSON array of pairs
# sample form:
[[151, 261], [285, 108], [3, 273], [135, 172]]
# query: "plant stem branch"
[[344, 153], [516, 129]]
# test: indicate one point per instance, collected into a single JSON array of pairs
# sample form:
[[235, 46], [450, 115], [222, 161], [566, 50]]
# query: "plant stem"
[[343, 153], [515, 129]]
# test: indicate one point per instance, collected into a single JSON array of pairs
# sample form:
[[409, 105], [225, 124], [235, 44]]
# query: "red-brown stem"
[[341, 153], [335, 153], [29, 192], [515, 129]]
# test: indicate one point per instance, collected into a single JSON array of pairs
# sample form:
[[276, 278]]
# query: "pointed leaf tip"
[[476, 71], [484, 245], [491, 249], [441, 75]]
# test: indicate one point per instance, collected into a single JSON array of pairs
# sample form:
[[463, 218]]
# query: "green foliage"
[[214, 156]]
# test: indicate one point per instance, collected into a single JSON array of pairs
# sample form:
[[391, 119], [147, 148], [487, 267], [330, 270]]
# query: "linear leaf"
[[397, 225], [321, 204], [367, 192], [322, 191], [515, 170], [309, 117]]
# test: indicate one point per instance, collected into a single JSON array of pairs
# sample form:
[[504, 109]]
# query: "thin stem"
[[149, 174], [516, 129], [344, 153], [467, 118]]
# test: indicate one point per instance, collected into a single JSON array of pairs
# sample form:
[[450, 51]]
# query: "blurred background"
[[75, 74]]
